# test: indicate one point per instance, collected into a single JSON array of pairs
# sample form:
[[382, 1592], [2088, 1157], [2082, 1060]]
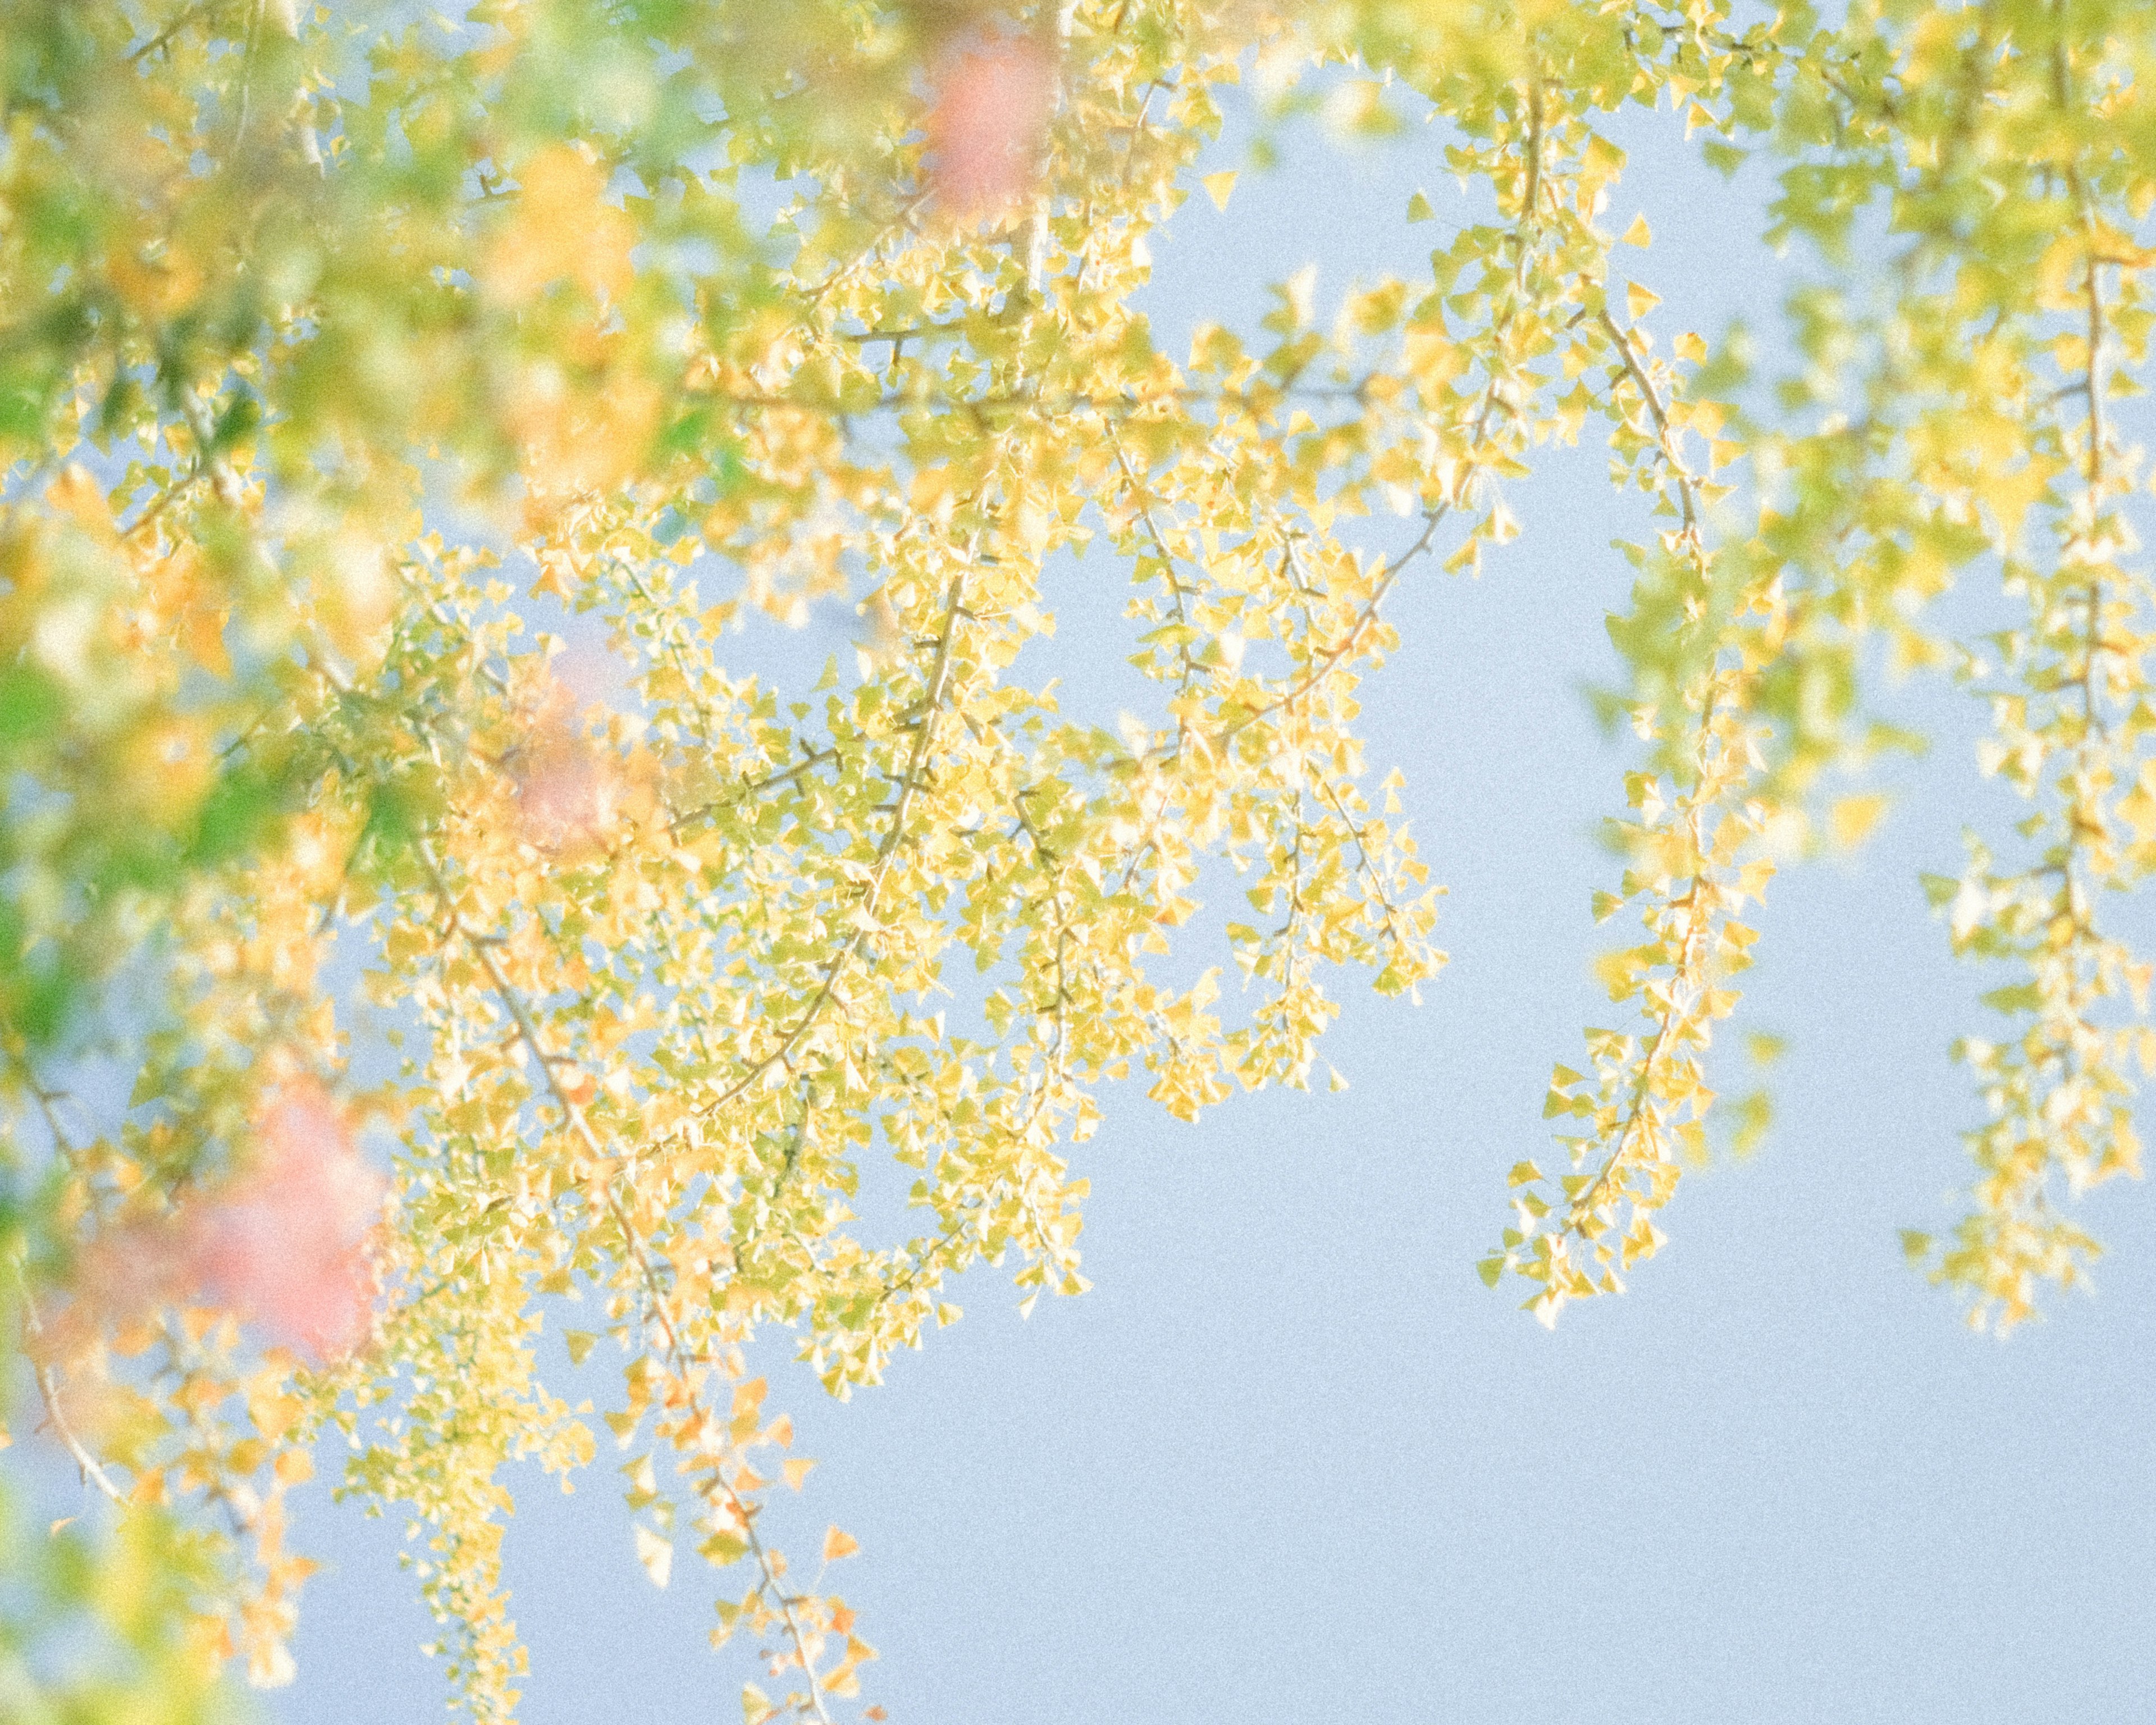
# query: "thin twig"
[[1665, 434], [49, 1391], [513, 1004], [901, 805], [1432, 518], [49, 1387]]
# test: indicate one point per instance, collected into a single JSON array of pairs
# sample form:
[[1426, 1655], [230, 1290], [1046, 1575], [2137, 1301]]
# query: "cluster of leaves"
[[1954, 411], [692, 311]]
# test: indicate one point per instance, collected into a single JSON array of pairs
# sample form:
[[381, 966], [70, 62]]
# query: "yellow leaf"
[[1639, 302], [1430, 359], [796, 1469], [1639, 234], [748, 1398], [1618, 972], [721, 1549], [839, 1544], [76, 492], [273, 1415], [1853, 819], [2137, 810], [1219, 186], [655, 1555], [561, 227]]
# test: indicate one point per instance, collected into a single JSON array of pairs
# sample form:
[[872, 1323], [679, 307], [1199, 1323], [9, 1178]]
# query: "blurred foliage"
[[339, 351]]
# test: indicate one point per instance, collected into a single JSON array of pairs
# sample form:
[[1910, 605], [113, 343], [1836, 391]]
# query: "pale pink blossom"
[[565, 792], [284, 1243], [985, 125], [568, 792]]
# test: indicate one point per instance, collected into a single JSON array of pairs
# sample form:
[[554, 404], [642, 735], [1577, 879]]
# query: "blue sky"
[[1290, 1460]]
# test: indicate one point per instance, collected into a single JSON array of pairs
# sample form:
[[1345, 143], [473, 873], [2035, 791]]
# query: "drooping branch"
[[683, 1368]]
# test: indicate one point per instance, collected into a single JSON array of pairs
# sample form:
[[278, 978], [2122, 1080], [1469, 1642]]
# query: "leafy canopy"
[[352, 362]]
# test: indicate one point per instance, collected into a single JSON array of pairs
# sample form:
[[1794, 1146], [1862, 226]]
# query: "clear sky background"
[[1289, 1460]]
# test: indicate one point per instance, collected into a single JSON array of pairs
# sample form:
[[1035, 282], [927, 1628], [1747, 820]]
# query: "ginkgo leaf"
[[838, 1544], [1853, 818], [1219, 186], [655, 1555]]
